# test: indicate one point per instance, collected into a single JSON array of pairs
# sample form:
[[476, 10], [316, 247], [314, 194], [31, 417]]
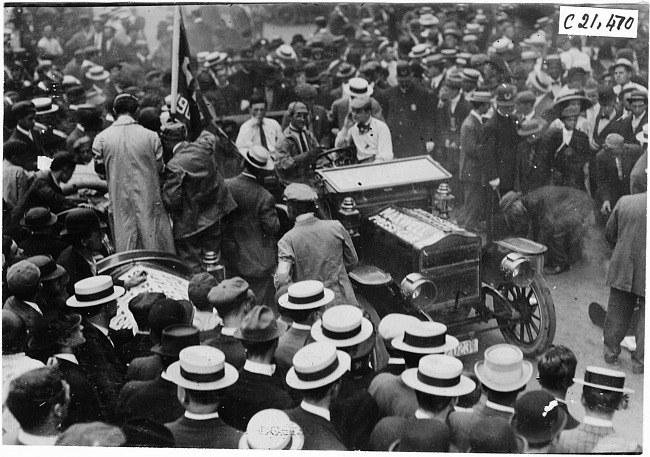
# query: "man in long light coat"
[[131, 158]]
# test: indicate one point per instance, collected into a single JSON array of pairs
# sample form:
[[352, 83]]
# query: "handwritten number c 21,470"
[[615, 21]]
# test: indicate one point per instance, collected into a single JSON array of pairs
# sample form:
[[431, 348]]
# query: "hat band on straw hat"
[[341, 335], [424, 341], [358, 90], [320, 374], [604, 380], [203, 377], [96, 296], [306, 300], [438, 382], [259, 163]]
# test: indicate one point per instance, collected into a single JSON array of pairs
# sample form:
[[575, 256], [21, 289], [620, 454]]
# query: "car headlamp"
[[518, 269], [418, 290]]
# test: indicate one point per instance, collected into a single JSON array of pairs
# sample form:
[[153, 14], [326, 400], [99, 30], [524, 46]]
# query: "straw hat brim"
[[366, 332], [526, 374], [297, 439], [270, 164], [173, 374], [104, 75], [297, 383], [368, 93], [624, 390], [328, 297], [52, 109], [451, 342], [465, 386], [72, 302]]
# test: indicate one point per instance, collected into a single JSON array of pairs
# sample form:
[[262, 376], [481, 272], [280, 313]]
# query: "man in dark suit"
[[201, 375], [629, 127], [412, 115], [533, 158], [557, 368], [46, 189], [249, 234], [58, 335], [503, 374], [570, 152], [319, 388], [84, 231], [163, 313], [470, 171], [97, 357], [157, 399], [260, 385], [112, 51], [606, 119], [26, 137], [614, 164], [299, 305], [24, 281], [232, 299], [452, 111], [42, 224]]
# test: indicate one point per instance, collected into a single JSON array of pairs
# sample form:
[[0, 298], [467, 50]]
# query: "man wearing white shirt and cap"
[[370, 136]]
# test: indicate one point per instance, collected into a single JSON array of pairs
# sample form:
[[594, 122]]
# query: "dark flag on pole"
[[190, 107]]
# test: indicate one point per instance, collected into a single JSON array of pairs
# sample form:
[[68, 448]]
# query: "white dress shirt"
[[259, 368], [249, 134], [375, 143]]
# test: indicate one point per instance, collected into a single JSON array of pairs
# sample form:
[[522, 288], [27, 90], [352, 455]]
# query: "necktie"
[[262, 136], [363, 128], [303, 143]]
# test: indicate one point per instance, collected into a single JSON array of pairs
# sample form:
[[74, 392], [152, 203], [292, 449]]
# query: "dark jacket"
[[75, 265], [31, 149], [499, 150], [249, 233], [448, 132], [231, 347], [611, 127], [43, 192], [610, 186], [533, 166], [28, 314], [292, 164], [138, 346], [42, 244], [460, 423], [102, 368], [144, 368], [252, 393], [211, 433], [194, 192], [156, 399], [411, 119], [624, 128], [568, 162], [84, 403], [320, 434]]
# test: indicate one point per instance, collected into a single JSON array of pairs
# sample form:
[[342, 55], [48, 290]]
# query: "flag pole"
[[175, 51]]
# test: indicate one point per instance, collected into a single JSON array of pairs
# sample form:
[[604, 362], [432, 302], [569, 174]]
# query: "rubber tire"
[[546, 312]]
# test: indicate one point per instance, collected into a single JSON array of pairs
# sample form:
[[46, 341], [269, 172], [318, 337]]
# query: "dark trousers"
[[475, 204], [619, 313], [192, 248]]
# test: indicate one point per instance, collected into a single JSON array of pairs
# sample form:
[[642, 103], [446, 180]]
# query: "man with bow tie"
[[370, 136]]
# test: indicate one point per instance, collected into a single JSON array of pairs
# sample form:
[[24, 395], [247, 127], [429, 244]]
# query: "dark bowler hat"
[[260, 325], [423, 436], [495, 435], [144, 432], [311, 73], [52, 327], [176, 338], [38, 217], [506, 94], [403, 69], [23, 108], [47, 266], [81, 221], [538, 417]]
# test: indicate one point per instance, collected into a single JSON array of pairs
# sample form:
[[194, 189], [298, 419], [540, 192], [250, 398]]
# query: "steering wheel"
[[337, 156]]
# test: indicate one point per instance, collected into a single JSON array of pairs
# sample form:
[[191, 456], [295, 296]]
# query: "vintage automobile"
[[413, 259]]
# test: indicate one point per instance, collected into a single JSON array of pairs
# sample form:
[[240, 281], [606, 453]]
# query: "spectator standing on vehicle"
[[370, 136], [258, 129], [314, 248], [194, 194], [249, 234], [626, 228], [131, 158]]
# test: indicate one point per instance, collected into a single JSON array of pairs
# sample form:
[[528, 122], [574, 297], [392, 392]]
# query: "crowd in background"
[[544, 130]]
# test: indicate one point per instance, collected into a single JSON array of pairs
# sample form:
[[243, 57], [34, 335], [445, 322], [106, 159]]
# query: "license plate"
[[465, 347]]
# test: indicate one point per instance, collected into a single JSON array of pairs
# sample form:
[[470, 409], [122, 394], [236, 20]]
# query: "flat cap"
[[228, 291], [525, 97], [300, 192], [199, 287], [23, 277]]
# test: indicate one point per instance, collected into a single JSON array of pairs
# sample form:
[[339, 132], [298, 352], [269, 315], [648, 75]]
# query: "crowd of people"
[[544, 131]]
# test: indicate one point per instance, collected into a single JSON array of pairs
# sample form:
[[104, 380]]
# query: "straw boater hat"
[[393, 325], [344, 326], [94, 291], [428, 19], [358, 87], [259, 157], [44, 105], [201, 368], [503, 368], [272, 429], [624, 63], [605, 379], [303, 295], [439, 374], [480, 96], [215, 59], [97, 73], [317, 365], [286, 52], [419, 50], [425, 338]]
